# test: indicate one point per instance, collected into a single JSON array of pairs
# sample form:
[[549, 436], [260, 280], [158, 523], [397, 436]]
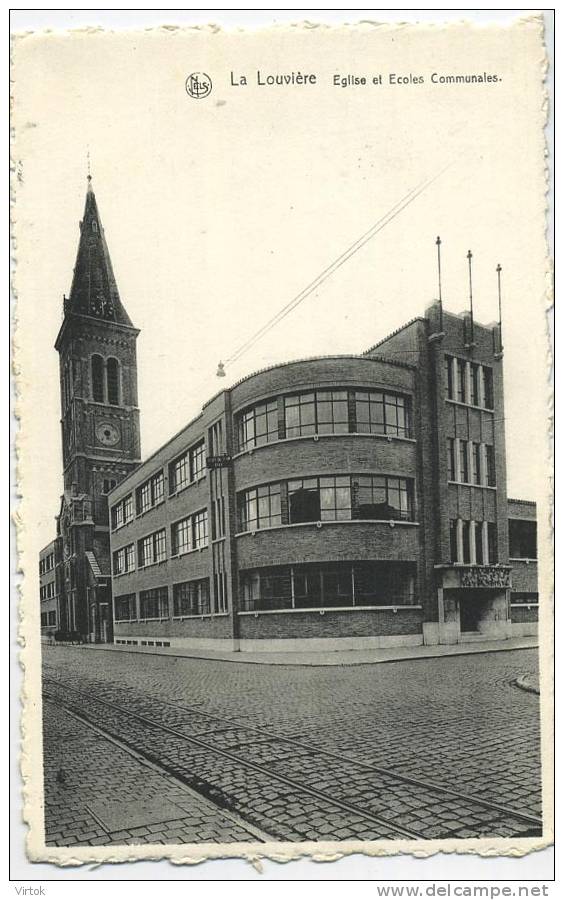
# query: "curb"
[[239, 658], [525, 685]]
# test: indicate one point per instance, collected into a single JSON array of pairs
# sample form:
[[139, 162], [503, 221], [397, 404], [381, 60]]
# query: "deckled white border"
[[30, 656]]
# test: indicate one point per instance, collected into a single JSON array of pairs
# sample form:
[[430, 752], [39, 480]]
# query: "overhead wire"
[[381, 223]]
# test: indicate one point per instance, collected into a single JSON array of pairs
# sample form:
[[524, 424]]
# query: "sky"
[[218, 211]]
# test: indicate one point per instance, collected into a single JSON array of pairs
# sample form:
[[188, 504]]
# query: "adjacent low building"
[[339, 502], [48, 590]]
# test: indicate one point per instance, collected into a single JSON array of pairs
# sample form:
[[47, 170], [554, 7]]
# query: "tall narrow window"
[[478, 542], [475, 384], [488, 387], [466, 542], [451, 459], [97, 379], [112, 374], [490, 465], [461, 372], [449, 363], [476, 463], [492, 543], [463, 459]]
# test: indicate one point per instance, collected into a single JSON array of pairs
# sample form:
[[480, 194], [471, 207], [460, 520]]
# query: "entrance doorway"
[[471, 612]]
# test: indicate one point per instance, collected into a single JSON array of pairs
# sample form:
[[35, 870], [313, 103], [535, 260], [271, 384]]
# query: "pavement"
[[459, 721], [313, 658]]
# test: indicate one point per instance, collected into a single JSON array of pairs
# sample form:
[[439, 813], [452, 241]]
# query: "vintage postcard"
[[283, 383]]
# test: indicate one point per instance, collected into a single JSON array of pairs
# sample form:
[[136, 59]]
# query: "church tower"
[[100, 427]]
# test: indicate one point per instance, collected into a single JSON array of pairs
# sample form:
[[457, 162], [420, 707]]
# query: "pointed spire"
[[94, 290]]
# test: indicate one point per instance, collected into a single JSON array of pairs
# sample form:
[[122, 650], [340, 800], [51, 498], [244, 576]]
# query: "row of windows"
[[323, 412], [105, 380], [49, 618], [326, 498], [471, 462], [189, 598], [190, 533], [47, 591], [187, 468], [46, 563], [326, 585], [473, 542], [468, 382]]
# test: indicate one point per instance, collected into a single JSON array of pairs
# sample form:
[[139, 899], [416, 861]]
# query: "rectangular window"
[[379, 413], [466, 542], [181, 536], [454, 540], [522, 539], [124, 559], [179, 473], [300, 415], [200, 529], [304, 501], [122, 512], [461, 373], [479, 543], [476, 463], [192, 598], [400, 501], [197, 461], [160, 545], [475, 384], [150, 493], [463, 461], [260, 508], [335, 497], [488, 387], [152, 549], [125, 608], [258, 425], [492, 543], [449, 367], [490, 466], [154, 603], [451, 459], [332, 412]]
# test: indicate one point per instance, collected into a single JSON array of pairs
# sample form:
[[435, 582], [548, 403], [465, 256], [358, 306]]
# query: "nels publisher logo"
[[198, 85]]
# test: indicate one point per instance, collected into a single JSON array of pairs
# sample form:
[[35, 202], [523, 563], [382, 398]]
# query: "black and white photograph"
[[283, 377]]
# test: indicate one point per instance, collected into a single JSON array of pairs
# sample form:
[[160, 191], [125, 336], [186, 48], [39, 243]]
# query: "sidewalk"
[[333, 658]]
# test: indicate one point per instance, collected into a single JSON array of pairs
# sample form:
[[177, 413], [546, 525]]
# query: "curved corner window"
[[112, 374], [97, 379]]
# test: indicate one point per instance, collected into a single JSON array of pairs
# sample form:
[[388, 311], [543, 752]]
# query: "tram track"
[[349, 791]]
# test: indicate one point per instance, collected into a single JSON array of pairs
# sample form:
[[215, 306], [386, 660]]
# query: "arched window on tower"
[[112, 370], [97, 379], [94, 225]]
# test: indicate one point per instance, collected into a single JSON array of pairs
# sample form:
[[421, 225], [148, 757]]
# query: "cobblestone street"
[[149, 749]]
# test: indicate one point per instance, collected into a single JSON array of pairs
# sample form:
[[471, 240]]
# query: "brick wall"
[[354, 623]]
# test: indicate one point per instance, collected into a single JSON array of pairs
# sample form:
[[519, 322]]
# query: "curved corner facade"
[[340, 502]]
